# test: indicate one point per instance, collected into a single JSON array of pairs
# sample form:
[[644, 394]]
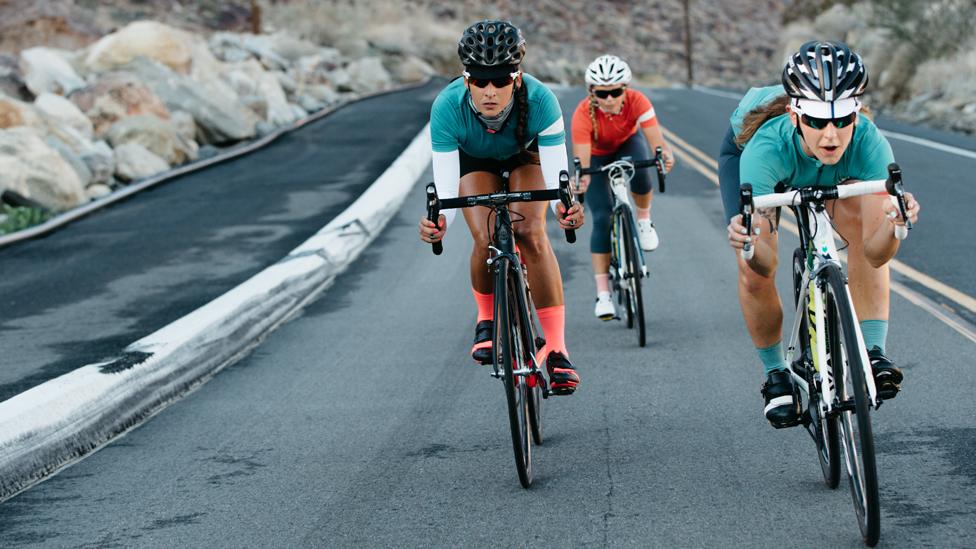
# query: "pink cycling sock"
[[486, 305], [643, 213], [602, 283], [553, 320]]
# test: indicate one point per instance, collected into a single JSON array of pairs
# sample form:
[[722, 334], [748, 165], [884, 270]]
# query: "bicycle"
[[627, 264], [515, 336], [826, 355]]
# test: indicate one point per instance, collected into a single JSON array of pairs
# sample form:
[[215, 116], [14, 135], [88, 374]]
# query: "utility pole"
[[688, 60], [255, 17]]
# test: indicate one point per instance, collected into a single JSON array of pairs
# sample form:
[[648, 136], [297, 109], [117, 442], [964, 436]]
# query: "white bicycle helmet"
[[607, 70]]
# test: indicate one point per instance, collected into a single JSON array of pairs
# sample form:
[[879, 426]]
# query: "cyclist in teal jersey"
[[812, 131], [496, 120]]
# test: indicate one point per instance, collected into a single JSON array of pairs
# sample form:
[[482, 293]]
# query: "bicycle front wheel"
[[853, 401], [822, 428], [508, 357], [633, 274]]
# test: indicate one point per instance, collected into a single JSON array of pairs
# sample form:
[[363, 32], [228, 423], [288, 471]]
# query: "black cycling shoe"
[[782, 401], [562, 376], [887, 376], [482, 333]]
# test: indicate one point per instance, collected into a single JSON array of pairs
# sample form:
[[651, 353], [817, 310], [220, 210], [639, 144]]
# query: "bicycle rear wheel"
[[632, 273], [507, 354], [822, 429], [855, 408]]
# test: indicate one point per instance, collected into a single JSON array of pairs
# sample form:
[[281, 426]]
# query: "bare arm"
[[879, 216], [764, 239], [656, 139], [583, 152]]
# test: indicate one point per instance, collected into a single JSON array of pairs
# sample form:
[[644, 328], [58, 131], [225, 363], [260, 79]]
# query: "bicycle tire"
[[506, 352], [822, 429], [529, 348], [636, 292], [855, 426]]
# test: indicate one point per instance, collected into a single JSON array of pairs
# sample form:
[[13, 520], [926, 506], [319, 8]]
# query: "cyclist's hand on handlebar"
[[894, 216], [737, 233], [668, 161], [429, 232], [572, 219], [582, 184]]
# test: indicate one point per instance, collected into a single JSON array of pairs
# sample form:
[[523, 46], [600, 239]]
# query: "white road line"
[[930, 144], [896, 135]]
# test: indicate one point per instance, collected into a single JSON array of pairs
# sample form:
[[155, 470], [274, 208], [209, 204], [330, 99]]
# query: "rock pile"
[[138, 101]]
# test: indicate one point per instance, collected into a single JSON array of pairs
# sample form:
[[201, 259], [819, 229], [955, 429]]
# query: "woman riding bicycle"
[[604, 130], [809, 132], [497, 120]]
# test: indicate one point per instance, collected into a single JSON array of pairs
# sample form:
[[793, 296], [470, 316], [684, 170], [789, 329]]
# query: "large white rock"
[[30, 167], [249, 78], [215, 107], [156, 41], [100, 160], [368, 75], [158, 136], [47, 70], [134, 162], [60, 111], [15, 113], [115, 96]]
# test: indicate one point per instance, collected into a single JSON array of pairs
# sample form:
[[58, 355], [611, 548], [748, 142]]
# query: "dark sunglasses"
[[498, 82], [603, 94], [821, 123]]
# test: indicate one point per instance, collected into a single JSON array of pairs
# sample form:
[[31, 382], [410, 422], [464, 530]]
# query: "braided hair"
[[596, 132], [522, 96]]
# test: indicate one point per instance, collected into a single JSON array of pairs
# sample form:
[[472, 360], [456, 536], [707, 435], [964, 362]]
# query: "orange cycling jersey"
[[613, 129]]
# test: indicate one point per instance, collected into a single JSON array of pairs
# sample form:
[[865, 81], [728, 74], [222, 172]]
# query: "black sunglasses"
[[821, 123], [603, 94], [498, 81]]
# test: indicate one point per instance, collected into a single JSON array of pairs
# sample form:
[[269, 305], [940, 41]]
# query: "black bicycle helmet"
[[825, 71], [491, 43]]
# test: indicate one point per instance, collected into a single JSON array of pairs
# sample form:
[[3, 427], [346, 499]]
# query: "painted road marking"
[[692, 155]]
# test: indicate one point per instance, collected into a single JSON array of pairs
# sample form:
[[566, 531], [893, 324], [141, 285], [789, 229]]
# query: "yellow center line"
[[694, 157]]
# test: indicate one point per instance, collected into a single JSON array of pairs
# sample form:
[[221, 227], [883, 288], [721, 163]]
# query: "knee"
[[531, 236], [754, 283], [481, 243]]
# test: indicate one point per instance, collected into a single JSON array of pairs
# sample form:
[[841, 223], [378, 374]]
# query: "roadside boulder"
[[32, 168], [368, 75], [215, 107], [156, 135], [115, 96], [59, 111], [47, 70], [14, 113], [156, 41], [134, 162], [249, 78]]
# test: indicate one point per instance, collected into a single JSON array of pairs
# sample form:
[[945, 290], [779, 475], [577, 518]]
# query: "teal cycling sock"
[[875, 333], [772, 357]]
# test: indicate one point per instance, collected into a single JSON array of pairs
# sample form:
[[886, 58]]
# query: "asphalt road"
[[363, 422], [85, 292]]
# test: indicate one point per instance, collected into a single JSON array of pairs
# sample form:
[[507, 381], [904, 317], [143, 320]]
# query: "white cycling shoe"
[[604, 309], [647, 235]]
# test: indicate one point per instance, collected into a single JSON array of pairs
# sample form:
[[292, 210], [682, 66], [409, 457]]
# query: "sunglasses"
[[498, 81], [603, 94], [821, 123]]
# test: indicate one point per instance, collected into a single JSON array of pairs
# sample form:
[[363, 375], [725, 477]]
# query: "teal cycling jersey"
[[775, 154], [454, 125]]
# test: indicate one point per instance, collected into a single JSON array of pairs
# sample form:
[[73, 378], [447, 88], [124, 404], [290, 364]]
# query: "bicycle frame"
[[821, 251]]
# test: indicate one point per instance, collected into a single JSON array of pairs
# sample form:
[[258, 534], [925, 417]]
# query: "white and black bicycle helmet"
[[825, 71], [608, 70], [491, 43]]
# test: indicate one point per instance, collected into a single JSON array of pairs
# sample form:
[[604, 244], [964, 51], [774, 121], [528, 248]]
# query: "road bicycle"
[[516, 336], [826, 353], [627, 264]]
